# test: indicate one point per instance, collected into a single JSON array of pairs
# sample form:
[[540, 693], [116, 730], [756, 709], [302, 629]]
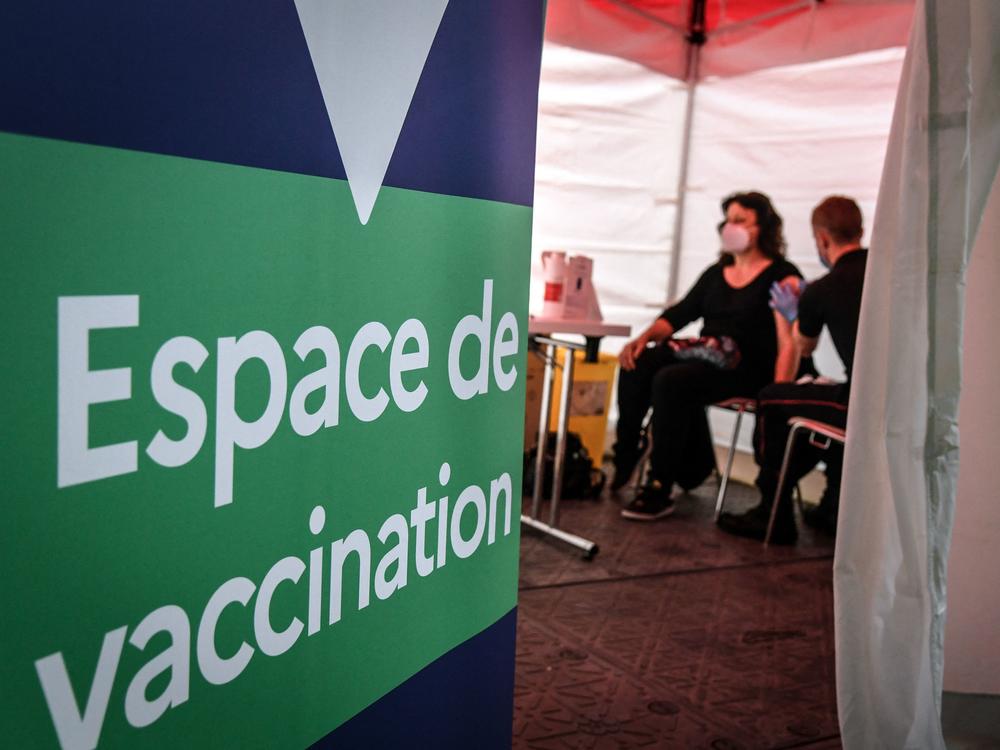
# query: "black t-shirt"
[[835, 301], [742, 314]]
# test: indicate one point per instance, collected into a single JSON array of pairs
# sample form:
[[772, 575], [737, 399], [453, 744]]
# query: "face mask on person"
[[822, 250], [735, 238]]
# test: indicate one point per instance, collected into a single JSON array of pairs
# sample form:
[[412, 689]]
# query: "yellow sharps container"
[[593, 387]]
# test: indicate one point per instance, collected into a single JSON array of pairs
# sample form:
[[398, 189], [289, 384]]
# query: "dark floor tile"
[[568, 697], [677, 636], [970, 722], [687, 540]]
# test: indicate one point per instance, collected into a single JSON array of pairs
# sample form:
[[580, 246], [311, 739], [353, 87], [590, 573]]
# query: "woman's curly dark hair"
[[771, 239]]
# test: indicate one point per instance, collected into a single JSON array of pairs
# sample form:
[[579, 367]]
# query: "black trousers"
[[779, 402], [678, 391]]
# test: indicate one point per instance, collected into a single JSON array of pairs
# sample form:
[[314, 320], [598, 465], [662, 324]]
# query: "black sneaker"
[[652, 502], [753, 525]]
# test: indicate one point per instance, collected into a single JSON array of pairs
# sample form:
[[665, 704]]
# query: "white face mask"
[[735, 238]]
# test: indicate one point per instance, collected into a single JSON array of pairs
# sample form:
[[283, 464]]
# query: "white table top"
[[538, 324]]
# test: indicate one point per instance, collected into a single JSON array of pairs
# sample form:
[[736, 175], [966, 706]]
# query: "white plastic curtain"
[[898, 492]]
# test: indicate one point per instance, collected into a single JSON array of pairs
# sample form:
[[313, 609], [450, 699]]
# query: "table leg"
[[586, 546], [559, 463], [543, 430]]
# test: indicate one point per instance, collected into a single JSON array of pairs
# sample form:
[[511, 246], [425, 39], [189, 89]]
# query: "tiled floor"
[[675, 636]]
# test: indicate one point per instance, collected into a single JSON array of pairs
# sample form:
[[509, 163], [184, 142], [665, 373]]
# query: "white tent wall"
[[609, 139], [609, 131], [971, 657], [798, 134]]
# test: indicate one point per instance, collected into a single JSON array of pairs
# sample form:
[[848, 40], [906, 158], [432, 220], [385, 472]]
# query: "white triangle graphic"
[[368, 56]]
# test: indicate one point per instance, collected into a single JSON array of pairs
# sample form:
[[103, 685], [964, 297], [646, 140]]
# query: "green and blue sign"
[[265, 281]]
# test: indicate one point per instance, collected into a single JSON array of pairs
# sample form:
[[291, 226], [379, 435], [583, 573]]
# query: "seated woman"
[[744, 345]]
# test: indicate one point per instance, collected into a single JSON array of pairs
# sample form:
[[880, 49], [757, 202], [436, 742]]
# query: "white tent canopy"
[[632, 164]]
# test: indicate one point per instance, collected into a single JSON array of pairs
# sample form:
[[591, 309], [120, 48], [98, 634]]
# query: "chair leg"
[[724, 481], [642, 475], [641, 472], [781, 483]]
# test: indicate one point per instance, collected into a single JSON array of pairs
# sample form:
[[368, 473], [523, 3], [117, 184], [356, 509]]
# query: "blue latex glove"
[[785, 300]]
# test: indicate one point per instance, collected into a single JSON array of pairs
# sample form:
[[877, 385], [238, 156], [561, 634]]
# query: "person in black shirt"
[[833, 301], [743, 345]]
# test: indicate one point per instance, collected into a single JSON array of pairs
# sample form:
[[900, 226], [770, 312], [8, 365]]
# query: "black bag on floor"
[[581, 481]]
